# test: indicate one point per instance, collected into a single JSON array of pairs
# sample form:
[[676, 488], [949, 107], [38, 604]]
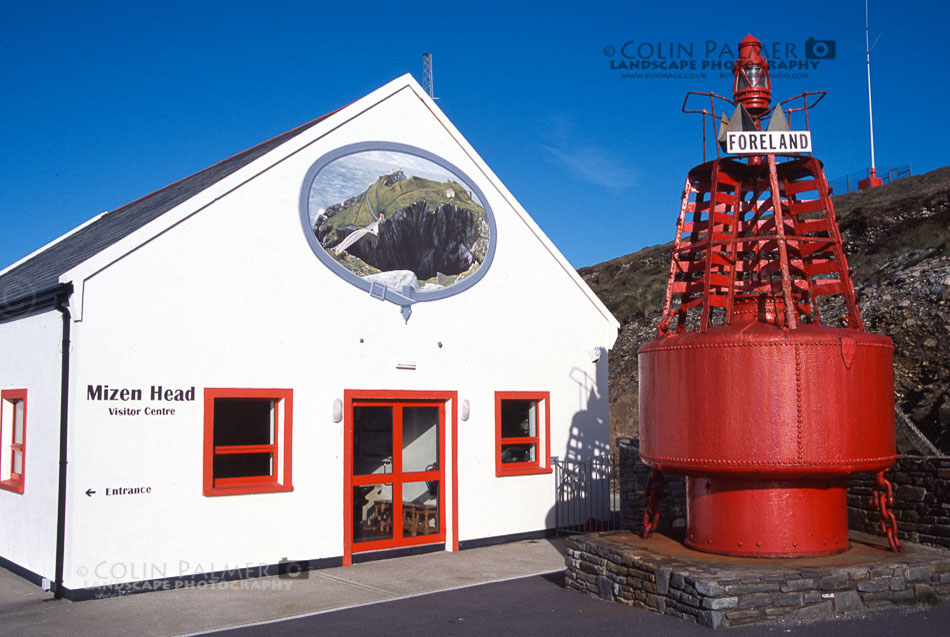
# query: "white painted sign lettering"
[[765, 142]]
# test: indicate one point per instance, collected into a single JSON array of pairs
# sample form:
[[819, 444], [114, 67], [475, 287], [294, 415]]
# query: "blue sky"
[[103, 103]]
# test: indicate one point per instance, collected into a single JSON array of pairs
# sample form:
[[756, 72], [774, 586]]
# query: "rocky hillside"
[[897, 239]]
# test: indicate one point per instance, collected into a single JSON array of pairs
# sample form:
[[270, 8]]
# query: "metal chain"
[[654, 491], [883, 500]]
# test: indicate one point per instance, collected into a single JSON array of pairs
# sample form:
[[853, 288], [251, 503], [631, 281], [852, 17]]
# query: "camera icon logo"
[[819, 49], [292, 569]]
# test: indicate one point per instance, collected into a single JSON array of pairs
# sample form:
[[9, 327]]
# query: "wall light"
[[337, 410]]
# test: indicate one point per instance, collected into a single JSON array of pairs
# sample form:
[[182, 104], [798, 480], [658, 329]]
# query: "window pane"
[[372, 512], [243, 465], [372, 440], [18, 462], [18, 423], [420, 438], [518, 453], [420, 508], [239, 421], [519, 418], [753, 73]]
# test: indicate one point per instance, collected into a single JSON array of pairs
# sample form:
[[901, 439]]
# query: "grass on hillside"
[[634, 285]]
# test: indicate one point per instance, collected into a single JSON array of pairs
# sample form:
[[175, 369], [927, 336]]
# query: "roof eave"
[[35, 302]]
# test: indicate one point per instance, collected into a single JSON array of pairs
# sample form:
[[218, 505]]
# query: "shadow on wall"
[[589, 437], [590, 427]]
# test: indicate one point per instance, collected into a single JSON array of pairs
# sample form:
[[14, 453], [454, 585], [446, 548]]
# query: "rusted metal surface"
[[654, 491], [883, 500], [762, 386]]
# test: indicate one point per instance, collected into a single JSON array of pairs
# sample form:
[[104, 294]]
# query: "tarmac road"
[[540, 605], [506, 589]]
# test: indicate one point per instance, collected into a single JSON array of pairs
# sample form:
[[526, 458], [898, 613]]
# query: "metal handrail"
[[585, 491], [804, 107], [711, 113]]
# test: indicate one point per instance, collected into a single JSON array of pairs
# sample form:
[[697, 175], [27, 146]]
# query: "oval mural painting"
[[398, 218]]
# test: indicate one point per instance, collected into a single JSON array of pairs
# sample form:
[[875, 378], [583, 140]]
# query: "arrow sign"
[[89, 492]]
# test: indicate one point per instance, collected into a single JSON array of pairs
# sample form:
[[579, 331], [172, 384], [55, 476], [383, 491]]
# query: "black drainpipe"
[[62, 304]]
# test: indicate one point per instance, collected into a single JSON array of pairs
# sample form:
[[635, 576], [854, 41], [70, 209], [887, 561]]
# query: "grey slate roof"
[[42, 270]]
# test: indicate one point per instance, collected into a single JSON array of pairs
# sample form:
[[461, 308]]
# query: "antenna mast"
[[872, 180], [867, 44], [427, 82]]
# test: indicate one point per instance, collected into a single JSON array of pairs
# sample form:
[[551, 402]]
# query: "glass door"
[[397, 447]]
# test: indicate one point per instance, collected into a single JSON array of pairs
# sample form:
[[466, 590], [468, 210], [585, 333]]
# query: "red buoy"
[[762, 386]]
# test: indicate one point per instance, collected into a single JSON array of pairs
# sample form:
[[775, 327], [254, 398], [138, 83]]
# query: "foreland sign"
[[765, 142]]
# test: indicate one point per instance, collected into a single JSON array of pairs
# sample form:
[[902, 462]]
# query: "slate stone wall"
[[633, 501], [921, 500], [921, 497], [618, 567]]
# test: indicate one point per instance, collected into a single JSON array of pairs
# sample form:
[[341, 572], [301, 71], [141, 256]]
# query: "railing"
[[711, 113], [727, 107], [587, 495], [849, 182]]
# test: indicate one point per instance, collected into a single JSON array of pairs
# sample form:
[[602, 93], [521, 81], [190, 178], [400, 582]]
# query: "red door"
[[395, 459]]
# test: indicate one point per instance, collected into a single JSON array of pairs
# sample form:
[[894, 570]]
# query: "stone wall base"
[[719, 591]]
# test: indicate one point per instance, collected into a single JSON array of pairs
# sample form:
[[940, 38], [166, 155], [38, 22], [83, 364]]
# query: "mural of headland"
[[398, 219]]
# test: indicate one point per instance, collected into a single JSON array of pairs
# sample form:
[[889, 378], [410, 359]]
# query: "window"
[[247, 441], [12, 439], [522, 433]]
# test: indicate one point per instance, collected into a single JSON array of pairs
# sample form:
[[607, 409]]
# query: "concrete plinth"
[[719, 591]]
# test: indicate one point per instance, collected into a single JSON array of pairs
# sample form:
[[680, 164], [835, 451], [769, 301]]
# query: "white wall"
[[234, 297], [30, 359]]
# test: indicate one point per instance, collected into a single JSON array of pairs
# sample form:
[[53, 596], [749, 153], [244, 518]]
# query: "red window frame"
[[541, 439], [15, 482], [281, 447]]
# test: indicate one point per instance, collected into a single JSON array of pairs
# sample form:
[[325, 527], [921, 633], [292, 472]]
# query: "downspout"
[[62, 305]]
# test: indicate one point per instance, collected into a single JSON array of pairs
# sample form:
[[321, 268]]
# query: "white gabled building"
[[309, 351]]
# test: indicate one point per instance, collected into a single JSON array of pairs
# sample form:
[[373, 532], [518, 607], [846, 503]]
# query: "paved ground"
[[25, 609], [498, 589], [540, 605]]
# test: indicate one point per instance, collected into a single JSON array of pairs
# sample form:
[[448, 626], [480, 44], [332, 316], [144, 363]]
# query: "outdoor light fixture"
[[466, 408], [337, 410], [751, 84]]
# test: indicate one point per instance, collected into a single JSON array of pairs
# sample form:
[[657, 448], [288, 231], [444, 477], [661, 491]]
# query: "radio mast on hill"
[[872, 179], [427, 85]]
